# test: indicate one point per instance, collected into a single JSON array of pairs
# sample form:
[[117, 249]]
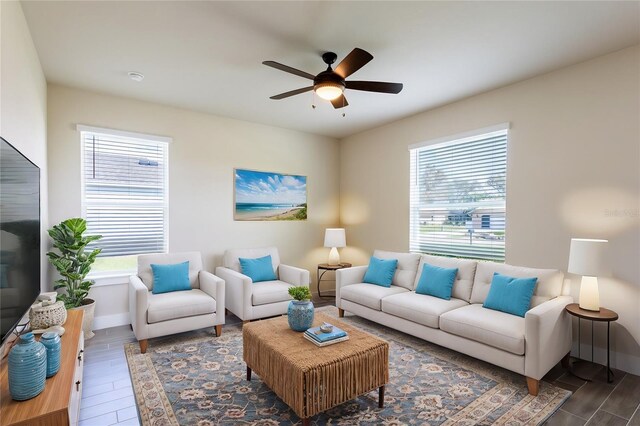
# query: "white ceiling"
[[207, 56]]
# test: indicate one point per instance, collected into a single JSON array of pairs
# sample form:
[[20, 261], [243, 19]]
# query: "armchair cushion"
[[232, 257], [267, 292], [146, 274], [168, 278], [181, 304], [258, 269]]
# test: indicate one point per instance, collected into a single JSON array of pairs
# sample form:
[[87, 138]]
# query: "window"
[[458, 195], [124, 195]]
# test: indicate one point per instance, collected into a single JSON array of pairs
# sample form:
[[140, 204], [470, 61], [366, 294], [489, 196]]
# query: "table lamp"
[[334, 238], [586, 258]]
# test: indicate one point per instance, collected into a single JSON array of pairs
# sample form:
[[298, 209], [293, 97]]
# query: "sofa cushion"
[[380, 271], [419, 308], [436, 281], [266, 292], [549, 281], [405, 275], [493, 328], [179, 304], [464, 279], [146, 274], [232, 257], [510, 295], [369, 295]]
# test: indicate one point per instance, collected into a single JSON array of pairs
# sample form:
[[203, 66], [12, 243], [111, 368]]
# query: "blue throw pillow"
[[260, 269], [510, 295], [436, 281], [380, 271], [167, 278]]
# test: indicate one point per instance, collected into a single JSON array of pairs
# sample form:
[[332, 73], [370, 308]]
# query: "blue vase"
[[27, 368], [51, 342], [300, 315]]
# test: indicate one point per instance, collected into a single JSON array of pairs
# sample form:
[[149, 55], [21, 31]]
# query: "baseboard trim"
[[107, 321]]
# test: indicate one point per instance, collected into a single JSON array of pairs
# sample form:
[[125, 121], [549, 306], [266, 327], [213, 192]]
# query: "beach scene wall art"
[[269, 196]]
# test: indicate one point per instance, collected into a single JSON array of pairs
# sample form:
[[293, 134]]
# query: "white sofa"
[[530, 346], [155, 315], [249, 300]]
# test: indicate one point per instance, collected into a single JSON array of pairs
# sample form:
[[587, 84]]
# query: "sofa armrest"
[[294, 276], [547, 333], [214, 287], [238, 292], [348, 276], [138, 305]]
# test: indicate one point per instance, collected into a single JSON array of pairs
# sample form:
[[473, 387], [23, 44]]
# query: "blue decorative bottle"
[[51, 341], [300, 315], [27, 368]]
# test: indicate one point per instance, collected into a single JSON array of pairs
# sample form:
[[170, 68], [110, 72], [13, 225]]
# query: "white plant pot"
[[88, 306]]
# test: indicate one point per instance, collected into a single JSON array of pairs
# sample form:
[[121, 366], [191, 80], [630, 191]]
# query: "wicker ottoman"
[[311, 379]]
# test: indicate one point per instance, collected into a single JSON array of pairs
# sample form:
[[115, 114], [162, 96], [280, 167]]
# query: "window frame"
[[459, 138], [138, 138]]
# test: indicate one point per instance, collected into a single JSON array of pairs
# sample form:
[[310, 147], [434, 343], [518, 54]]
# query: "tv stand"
[[59, 403]]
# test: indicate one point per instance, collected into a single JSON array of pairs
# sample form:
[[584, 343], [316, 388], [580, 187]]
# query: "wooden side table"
[[603, 315], [324, 267]]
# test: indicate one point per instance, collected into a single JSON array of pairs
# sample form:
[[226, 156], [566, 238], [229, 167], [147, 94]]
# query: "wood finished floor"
[[107, 395]]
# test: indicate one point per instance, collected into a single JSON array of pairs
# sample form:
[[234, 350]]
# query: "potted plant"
[[300, 310], [74, 263]]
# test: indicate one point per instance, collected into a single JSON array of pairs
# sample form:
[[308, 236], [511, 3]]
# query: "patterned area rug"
[[199, 379]]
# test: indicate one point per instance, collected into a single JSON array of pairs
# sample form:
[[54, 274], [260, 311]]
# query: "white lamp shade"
[[587, 257], [335, 237]]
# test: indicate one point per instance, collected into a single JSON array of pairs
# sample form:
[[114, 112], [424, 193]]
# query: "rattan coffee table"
[[311, 379]]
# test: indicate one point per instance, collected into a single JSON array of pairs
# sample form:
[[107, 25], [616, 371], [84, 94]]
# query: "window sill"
[[102, 279]]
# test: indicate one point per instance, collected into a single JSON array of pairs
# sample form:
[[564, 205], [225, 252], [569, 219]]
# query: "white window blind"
[[458, 197], [125, 193]]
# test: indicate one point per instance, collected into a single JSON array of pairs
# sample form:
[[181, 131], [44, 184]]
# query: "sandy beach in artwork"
[[275, 214]]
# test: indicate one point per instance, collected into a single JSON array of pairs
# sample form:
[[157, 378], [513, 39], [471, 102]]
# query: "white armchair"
[[155, 315], [249, 300]]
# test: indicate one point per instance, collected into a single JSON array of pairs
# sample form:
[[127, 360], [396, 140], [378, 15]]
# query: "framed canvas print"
[[269, 196]]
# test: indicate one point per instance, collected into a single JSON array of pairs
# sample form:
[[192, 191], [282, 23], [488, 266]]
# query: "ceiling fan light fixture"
[[328, 90]]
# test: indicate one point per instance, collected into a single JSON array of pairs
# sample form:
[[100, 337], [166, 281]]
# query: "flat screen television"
[[19, 236]]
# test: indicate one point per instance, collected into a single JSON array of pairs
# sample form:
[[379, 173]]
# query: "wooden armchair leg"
[[533, 385], [341, 313], [218, 330], [143, 346]]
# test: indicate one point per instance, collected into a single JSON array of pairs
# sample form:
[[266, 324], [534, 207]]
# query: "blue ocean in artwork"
[[247, 207]]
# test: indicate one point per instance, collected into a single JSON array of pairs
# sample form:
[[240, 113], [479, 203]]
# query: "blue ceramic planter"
[[27, 368], [300, 315], [51, 341]]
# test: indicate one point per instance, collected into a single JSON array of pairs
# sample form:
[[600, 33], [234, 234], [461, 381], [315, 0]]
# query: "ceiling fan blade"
[[375, 86], [339, 102], [291, 93], [288, 69], [353, 62]]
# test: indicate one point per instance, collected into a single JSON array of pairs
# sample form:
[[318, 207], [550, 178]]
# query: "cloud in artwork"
[[270, 188]]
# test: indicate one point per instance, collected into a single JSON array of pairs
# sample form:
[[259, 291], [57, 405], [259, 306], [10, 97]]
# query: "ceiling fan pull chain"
[[313, 99]]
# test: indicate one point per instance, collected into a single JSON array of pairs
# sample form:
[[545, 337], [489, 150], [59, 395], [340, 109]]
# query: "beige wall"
[[202, 156], [573, 171], [23, 102]]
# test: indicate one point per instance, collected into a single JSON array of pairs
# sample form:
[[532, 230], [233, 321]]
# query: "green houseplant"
[[300, 311], [73, 263]]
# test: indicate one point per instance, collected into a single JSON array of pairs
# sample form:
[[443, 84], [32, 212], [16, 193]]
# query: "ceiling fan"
[[330, 84]]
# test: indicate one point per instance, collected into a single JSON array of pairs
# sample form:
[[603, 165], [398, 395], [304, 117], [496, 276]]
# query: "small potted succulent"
[[300, 311], [73, 264]]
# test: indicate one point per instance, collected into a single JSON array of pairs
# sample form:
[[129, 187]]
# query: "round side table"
[[324, 267], [603, 315]]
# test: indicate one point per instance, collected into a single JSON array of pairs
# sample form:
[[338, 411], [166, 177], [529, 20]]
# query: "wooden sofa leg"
[[566, 361], [533, 385], [218, 330], [143, 346], [341, 313]]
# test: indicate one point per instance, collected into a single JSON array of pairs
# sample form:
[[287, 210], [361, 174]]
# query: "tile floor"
[[107, 396]]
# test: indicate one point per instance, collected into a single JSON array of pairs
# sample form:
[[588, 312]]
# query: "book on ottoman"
[[321, 337], [327, 343]]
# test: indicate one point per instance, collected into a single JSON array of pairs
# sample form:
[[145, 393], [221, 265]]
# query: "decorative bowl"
[[326, 328]]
